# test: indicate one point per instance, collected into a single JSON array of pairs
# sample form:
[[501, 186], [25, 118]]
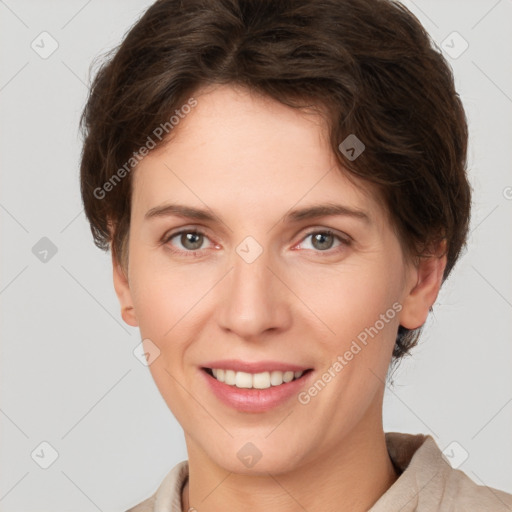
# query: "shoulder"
[[461, 493], [428, 482]]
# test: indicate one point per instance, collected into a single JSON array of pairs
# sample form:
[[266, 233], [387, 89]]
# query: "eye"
[[191, 241], [323, 240]]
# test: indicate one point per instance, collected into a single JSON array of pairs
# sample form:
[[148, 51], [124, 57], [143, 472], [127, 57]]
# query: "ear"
[[122, 287], [426, 278]]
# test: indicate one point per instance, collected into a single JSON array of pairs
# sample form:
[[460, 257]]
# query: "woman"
[[283, 188]]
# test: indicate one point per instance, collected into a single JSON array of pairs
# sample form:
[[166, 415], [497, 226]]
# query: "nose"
[[255, 299]]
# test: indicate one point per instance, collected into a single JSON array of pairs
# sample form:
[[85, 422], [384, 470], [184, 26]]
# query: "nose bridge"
[[253, 301]]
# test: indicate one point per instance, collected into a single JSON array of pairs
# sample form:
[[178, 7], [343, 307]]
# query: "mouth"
[[258, 381], [255, 386]]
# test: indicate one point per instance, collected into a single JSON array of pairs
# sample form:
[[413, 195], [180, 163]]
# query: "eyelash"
[[345, 242]]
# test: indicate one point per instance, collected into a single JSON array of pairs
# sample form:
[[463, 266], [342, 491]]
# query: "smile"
[[256, 392], [247, 380]]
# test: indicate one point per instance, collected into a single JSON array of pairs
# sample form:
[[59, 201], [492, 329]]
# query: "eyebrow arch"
[[179, 210], [310, 212], [326, 210]]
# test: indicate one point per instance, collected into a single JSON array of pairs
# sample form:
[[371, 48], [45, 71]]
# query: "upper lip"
[[254, 366]]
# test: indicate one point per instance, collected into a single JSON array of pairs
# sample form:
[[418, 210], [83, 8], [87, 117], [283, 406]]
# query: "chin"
[[257, 458]]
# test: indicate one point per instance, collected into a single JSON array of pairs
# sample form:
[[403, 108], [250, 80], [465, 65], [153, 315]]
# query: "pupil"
[[189, 238], [320, 237]]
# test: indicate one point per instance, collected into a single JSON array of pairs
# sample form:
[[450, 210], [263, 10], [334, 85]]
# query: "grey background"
[[68, 374]]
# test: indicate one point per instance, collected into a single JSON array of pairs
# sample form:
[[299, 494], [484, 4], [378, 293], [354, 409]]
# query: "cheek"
[[167, 298], [350, 300]]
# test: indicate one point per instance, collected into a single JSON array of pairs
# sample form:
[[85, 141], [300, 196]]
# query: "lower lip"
[[255, 400]]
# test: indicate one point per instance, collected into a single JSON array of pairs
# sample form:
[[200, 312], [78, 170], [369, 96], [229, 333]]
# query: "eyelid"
[[319, 229], [344, 239], [169, 235]]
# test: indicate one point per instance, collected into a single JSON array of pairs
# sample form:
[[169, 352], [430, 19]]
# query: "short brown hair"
[[368, 64]]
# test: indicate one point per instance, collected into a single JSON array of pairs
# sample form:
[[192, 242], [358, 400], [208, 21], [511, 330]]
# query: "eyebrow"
[[297, 215]]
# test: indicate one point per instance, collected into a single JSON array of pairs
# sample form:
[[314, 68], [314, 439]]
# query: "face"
[[253, 284]]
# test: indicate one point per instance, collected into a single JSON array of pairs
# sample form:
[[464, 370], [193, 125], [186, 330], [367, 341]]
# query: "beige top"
[[427, 483]]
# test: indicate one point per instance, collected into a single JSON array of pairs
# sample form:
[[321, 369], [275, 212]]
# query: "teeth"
[[254, 380], [229, 377], [243, 380]]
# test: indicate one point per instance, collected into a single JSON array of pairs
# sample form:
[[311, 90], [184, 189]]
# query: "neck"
[[351, 476]]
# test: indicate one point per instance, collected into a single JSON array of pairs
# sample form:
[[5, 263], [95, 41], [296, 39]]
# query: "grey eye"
[[191, 240], [322, 240]]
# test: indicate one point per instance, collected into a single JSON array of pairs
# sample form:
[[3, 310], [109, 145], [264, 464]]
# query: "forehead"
[[248, 153]]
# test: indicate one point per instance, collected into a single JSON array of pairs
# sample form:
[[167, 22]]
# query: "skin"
[[250, 160]]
